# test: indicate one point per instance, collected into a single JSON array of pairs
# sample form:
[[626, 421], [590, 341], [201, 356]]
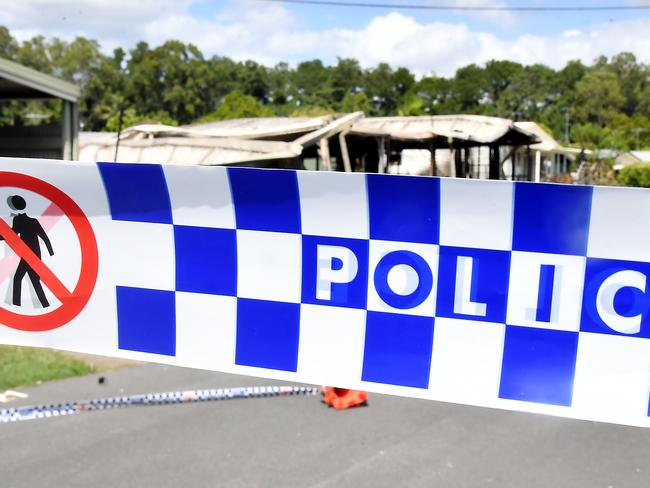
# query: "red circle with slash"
[[72, 302]]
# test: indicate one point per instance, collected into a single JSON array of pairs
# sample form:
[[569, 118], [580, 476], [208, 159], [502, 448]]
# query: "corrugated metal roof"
[[260, 128], [334, 127], [642, 156], [211, 144], [477, 128], [547, 142], [183, 150], [18, 81], [240, 128]]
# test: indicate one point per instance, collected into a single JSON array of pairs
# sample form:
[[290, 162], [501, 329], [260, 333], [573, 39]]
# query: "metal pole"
[[119, 131]]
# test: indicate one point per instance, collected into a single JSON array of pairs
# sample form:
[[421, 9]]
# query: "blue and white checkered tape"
[[520, 296]]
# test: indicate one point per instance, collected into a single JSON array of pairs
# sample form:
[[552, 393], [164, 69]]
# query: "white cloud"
[[112, 22], [271, 33], [572, 33]]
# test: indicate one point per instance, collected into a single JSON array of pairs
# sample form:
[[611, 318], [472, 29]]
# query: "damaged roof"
[[260, 128], [183, 150], [473, 129]]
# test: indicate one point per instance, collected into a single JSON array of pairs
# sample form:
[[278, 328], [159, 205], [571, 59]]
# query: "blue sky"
[[424, 41], [318, 17]]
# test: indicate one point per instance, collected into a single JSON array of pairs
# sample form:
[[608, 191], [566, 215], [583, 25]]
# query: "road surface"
[[297, 441]]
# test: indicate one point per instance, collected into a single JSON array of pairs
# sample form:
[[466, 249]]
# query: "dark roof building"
[[56, 140]]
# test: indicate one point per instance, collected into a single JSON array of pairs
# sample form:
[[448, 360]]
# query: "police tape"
[[151, 399], [513, 295]]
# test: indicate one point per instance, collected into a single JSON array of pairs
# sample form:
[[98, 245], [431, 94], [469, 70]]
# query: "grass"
[[25, 366]]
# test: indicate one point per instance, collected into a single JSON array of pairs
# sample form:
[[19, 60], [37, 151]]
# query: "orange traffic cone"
[[341, 398]]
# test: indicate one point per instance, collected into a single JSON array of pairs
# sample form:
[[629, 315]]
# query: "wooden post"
[[66, 130], [74, 130], [381, 148], [452, 161], [324, 154], [495, 163], [432, 166], [344, 151], [458, 163]]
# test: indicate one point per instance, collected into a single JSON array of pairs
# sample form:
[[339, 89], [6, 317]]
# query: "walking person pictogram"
[[30, 230]]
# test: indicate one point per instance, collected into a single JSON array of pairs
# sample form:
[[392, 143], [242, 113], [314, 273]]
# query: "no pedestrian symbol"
[[23, 239]]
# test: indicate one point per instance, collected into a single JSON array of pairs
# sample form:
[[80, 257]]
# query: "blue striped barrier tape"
[[504, 294], [19, 414]]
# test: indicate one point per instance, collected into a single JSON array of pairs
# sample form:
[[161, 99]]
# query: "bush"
[[635, 175]]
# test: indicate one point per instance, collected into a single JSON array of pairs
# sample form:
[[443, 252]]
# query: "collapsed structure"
[[466, 146]]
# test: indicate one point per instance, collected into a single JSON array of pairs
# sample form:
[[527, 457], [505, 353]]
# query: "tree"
[[598, 97], [236, 105], [403, 81], [254, 80], [103, 94], [345, 76], [531, 90], [468, 88], [412, 104], [33, 53], [498, 76], [172, 78], [631, 76], [8, 45], [571, 74], [379, 83], [590, 136], [311, 84], [279, 85], [608, 103], [436, 95], [355, 102]]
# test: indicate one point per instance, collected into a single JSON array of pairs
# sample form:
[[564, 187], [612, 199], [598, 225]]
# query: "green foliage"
[[531, 91], [344, 77], [311, 111], [498, 77], [590, 136], [599, 97], [607, 104], [236, 105], [23, 366], [468, 88], [8, 45], [623, 132], [635, 175], [435, 93], [357, 102], [412, 105]]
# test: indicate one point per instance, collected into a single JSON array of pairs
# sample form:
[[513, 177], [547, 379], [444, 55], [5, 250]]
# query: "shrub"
[[635, 175]]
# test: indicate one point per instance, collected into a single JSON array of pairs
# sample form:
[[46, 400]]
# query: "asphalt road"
[[297, 441]]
